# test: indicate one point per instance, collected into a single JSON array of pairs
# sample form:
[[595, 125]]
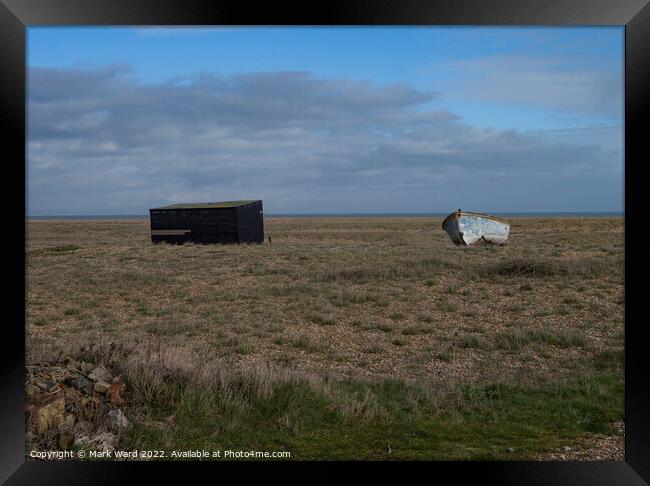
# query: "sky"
[[325, 120]]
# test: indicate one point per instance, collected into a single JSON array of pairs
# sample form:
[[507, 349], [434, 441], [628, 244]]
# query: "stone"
[[50, 415], [59, 375], [45, 385], [70, 403], [510, 449], [97, 401], [116, 419], [68, 420], [115, 394], [86, 368], [65, 440], [104, 441], [100, 374], [101, 387], [84, 405], [81, 428], [72, 363], [81, 440], [81, 383]]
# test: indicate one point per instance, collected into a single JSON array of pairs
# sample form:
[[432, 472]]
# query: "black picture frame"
[[16, 15]]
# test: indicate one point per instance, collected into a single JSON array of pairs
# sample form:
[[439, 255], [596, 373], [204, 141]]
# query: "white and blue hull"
[[466, 229]]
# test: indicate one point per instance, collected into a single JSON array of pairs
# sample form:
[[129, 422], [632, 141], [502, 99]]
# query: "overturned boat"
[[466, 228]]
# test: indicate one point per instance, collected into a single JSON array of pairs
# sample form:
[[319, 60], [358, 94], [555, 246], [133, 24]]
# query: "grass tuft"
[[515, 339]]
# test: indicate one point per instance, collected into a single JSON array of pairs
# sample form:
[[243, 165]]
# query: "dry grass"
[[327, 290], [353, 298]]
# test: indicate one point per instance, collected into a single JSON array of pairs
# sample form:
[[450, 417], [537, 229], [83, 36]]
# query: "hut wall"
[[204, 225], [236, 224], [251, 223]]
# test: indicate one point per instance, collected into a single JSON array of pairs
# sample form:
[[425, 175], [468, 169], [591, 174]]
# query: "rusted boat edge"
[[455, 214]]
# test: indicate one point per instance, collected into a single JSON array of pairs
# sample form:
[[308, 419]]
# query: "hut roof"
[[209, 205]]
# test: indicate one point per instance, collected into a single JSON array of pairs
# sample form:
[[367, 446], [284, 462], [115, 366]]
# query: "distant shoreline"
[[347, 215]]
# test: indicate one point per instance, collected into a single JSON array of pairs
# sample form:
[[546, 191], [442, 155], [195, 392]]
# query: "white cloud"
[[101, 142], [557, 83]]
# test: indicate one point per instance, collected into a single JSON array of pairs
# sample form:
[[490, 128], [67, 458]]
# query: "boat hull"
[[467, 229]]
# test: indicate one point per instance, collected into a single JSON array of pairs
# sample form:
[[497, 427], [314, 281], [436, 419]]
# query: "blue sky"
[[346, 119]]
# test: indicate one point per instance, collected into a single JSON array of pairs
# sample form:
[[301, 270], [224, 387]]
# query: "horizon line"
[[279, 214]]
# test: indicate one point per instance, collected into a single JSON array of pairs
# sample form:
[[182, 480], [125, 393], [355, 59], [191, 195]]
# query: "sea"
[[613, 214]]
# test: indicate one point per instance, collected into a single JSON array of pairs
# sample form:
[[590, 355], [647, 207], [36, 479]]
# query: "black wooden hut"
[[217, 222]]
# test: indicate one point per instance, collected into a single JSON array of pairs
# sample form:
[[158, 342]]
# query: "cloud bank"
[[101, 142]]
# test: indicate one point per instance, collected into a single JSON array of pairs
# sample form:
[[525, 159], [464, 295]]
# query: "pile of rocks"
[[74, 403]]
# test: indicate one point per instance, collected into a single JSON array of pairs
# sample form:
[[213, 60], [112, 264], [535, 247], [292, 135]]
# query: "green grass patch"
[[516, 308], [373, 349], [377, 271], [570, 300], [540, 267], [472, 341], [323, 320], [307, 343], [382, 326], [610, 360], [171, 327], [56, 250], [515, 338], [447, 307], [417, 329], [353, 419], [71, 311], [241, 345]]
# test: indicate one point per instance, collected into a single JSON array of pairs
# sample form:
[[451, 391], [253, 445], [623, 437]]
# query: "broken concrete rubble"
[[73, 404], [100, 374], [80, 382], [50, 415], [86, 367], [115, 392], [104, 441], [101, 387], [116, 420]]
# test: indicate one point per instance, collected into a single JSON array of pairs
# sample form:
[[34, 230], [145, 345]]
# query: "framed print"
[[360, 233]]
